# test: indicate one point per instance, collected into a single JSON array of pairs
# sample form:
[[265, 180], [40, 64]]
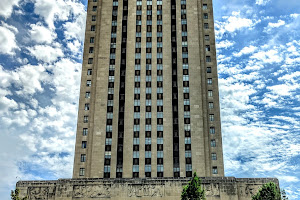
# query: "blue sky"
[[258, 43]]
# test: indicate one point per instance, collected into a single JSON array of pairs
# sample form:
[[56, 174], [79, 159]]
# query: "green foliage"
[[193, 190], [269, 191], [15, 195]]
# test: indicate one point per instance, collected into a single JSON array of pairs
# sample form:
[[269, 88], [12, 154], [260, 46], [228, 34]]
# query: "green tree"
[[15, 195], [269, 191], [193, 190]]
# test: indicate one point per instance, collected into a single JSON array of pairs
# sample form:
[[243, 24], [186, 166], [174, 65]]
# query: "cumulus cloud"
[[8, 39], [41, 34], [6, 7], [277, 24], [283, 89], [245, 50], [66, 79], [270, 56], [234, 23], [46, 53], [225, 44], [28, 79], [6, 104], [271, 25], [75, 47], [75, 29], [59, 10], [262, 2]]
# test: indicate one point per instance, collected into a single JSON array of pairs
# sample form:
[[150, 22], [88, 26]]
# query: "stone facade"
[[216, 188], [195, 39]]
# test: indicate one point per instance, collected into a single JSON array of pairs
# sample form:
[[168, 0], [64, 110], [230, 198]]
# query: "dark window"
[[82, 158], [83, 144], [206, 26], [208, 69], [91, 50], [85, 131], [92, 39]]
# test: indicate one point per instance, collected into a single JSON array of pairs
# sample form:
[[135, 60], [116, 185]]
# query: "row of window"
[[110, 99], [148, 126], [176, 168], [88, 93], [186, 91], [210, 92], [160, 128], [136, 126]]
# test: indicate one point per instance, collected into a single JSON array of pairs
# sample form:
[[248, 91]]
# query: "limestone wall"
[[217, 188]]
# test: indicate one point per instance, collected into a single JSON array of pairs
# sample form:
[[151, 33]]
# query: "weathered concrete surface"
[[216, 188]]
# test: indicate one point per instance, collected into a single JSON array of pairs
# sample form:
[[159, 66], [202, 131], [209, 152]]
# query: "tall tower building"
[[148, 108], [149, 99]]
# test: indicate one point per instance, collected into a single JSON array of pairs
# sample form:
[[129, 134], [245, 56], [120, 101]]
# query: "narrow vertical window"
[[84, 131], [92, 39], [213, 143], [209, 81], [85, 119], [215, 170], [211, 117], [81, 171], [83, 158], [83, 145]]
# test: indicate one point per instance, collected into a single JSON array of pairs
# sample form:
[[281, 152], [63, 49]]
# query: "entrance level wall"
[[216, 188]]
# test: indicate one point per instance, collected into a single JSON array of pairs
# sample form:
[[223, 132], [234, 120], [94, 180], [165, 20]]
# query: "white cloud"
[[46, 53], [66, 79], [28, 79], [271, 26], [287, 119], [6, 77], [59, 10], [23, 61], [50, 10], [283, 89], [225, 44], [76, 28], [41, 34], [10, 27], [293, 77], [276, 25], [6, 104], [262, 2], [294, 15], [6, 7], [270, 56], [18, 117], [234, 23], [245, 50], [75, 47], [8, 39]]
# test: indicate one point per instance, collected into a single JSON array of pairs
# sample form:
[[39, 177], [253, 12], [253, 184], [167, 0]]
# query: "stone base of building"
[[216, 188]]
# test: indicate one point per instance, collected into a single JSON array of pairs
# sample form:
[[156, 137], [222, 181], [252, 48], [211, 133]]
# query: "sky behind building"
[[258, 45]]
